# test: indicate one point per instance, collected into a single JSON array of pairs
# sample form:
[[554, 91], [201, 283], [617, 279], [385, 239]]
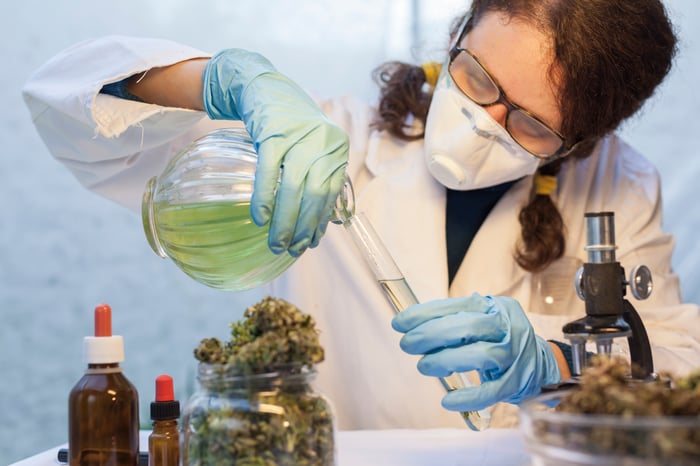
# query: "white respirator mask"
[[465, 148]]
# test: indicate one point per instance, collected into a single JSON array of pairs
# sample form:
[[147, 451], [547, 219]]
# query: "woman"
[[477, 182]]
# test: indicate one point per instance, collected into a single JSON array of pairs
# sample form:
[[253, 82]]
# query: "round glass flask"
[[197, 213], [270, 418]]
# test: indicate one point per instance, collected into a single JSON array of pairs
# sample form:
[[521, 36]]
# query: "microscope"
[[602, 284]]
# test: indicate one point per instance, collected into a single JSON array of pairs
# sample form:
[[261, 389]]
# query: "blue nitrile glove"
[[291, 135], [490, 335]]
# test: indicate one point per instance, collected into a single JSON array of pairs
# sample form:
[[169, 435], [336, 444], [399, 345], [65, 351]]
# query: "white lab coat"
[[114, 146]]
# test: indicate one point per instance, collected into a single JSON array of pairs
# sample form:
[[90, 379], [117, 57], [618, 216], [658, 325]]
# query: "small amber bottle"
[[103, 412], [164, 441]]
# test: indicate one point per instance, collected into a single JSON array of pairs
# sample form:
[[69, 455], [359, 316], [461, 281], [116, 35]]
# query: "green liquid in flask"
[[217, 244]]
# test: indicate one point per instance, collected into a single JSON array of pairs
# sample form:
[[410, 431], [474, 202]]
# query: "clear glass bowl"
[[197, 213], [563, 439]]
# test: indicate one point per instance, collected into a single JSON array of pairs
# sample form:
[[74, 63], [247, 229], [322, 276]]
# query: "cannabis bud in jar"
[[255, 405], [611, 419]]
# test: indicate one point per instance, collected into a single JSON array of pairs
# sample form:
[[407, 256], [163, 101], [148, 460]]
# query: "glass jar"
[[272, 418], [197, 213]]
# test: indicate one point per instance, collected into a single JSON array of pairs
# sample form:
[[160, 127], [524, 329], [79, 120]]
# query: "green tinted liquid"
[[217, 244]]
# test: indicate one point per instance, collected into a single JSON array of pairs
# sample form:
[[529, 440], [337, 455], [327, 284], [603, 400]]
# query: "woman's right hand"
[[301, 154]]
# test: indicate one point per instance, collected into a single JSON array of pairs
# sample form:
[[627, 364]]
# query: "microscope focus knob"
[[640, 282], [578, 284]]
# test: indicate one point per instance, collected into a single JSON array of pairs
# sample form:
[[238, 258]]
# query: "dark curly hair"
[[609, 56]]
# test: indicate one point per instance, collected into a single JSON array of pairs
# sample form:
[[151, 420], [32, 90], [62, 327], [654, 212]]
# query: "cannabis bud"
[[210, 350], [257, 406], [606, 388]]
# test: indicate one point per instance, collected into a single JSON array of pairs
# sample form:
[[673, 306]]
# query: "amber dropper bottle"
[[164, 441], [103, 407]]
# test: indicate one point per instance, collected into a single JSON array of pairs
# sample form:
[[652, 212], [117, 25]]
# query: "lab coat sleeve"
[[355, 117], [673, 326], [100, 138]]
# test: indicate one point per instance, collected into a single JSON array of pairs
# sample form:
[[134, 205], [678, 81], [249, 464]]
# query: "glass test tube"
[[394, 285]]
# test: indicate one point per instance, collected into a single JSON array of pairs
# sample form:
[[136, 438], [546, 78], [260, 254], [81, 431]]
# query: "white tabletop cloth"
[[446, 447]]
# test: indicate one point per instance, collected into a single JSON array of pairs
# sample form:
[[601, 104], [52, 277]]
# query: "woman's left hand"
[[490, 335]]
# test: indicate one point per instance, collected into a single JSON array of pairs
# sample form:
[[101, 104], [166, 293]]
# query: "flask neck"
[[111, 365], [164, 426], [98, 369], [148, 217]]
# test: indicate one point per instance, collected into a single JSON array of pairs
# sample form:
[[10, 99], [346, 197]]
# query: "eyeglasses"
[[531, 133]]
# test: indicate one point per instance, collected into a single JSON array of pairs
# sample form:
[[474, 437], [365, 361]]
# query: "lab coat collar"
[[407, 208], [489, 266]]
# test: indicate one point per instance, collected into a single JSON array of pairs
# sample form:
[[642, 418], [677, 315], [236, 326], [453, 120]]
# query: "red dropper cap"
[[103, 321], [165, 407], [164, 388], [103, 347]]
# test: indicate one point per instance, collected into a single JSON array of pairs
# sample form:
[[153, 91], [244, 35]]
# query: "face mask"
[[464, 146]]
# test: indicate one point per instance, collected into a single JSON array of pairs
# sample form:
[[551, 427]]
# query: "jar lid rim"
[[233, 370]]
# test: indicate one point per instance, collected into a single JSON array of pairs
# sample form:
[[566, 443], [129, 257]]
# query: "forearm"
[[178, 85]]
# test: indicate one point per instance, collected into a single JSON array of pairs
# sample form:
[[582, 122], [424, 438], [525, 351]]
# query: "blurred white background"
[[63, 250]]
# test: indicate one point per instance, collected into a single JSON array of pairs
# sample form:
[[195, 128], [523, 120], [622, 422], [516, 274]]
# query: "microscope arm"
[[640, 348]]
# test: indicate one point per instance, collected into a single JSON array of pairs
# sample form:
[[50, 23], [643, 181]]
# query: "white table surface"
[[444, 447]]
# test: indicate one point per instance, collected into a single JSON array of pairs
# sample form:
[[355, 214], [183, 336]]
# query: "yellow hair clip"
[[545, 184], [432, 72]]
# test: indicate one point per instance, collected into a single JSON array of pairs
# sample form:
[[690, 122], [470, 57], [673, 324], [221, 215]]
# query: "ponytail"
[[404, 93], [542, 227]]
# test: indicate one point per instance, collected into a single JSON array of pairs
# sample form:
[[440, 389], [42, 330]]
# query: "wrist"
[[563, 356]]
